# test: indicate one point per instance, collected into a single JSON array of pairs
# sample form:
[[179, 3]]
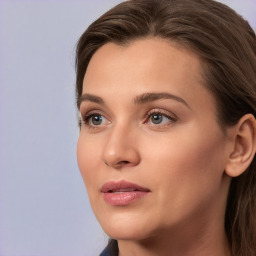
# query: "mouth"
[[122, 192]]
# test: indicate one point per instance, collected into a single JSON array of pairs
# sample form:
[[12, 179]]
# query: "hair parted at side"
[[227, 46]]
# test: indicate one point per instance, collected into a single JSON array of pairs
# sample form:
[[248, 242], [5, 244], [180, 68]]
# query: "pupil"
[[96, 120], [157, 119]]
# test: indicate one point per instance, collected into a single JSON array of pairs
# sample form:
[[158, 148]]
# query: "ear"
[[244, 146]]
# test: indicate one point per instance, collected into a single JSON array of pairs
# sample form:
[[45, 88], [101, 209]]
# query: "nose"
[[121, 149]]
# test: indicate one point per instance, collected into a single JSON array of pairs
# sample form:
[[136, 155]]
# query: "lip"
[[122, 192]]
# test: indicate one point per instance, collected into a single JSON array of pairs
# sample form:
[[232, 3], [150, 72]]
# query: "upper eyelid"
[[87, 107], [91, 112], [163, 112]]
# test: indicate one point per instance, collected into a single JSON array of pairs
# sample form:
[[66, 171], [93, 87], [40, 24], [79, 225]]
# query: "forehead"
[[147, 65], [143, 58]]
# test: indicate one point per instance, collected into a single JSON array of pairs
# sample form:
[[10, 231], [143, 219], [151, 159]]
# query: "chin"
[[126, 228], [131, 234]]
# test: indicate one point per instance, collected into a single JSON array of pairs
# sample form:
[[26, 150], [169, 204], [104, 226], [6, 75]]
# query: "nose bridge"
[[120, 148]]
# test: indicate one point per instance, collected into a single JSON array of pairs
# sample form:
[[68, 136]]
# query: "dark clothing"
[[111, 249], [106, 252]]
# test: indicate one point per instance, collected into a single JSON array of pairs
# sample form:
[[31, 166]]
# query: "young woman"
[[167, 95]]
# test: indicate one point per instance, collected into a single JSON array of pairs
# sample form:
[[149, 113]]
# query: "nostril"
[[122, 163]]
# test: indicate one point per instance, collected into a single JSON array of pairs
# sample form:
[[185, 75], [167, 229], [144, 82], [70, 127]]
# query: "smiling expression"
[[148, 120]]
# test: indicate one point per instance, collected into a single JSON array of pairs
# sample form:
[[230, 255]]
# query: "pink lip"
[[122, 192]]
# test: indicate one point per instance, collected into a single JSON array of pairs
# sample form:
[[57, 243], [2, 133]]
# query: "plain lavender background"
[[44, 209]]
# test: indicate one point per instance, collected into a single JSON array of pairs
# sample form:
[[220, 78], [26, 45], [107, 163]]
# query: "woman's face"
[[150, 150]]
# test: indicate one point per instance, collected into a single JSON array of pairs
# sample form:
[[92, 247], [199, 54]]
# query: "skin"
[[181, 160]]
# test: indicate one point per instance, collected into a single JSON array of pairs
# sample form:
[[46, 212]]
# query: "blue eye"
[[94, 120], [156, 118]]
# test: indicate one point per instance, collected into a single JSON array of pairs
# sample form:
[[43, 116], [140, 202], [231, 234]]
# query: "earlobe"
[[244, 146]]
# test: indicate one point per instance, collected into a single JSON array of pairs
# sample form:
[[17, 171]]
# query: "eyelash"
[[167, 114], [86, 119]]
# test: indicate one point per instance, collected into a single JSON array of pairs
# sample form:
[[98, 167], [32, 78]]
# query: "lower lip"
[[123, 198]]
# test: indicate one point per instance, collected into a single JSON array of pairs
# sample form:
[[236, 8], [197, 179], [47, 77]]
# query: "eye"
[[95, 119], [160, 118]]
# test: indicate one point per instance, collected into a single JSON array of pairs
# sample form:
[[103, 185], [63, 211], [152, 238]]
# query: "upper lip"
[[121, 186]]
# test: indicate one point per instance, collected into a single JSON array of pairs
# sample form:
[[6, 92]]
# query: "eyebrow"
[[91, 98], [149, 97], [140, 99]]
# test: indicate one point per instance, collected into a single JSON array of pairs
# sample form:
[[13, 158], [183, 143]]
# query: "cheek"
[[175, 151], [194, 148], [187, 177], [86, 151], [187, 164]]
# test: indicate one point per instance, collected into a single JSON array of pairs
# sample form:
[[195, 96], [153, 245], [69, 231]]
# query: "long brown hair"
[[227, 46]]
